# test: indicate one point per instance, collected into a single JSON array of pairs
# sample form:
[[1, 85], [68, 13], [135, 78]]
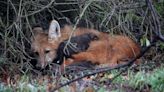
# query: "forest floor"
[[147, 77]]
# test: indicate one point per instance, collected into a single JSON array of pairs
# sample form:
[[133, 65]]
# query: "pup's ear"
[[93, 36], [36, 30]]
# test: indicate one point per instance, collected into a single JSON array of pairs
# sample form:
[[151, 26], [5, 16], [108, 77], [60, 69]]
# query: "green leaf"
[[144, 41], [101, 89], [147, 42]]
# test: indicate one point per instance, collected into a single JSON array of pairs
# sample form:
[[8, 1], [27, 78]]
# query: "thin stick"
[[75, 26]]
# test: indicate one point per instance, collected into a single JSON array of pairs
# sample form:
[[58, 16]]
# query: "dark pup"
[[76, 45]]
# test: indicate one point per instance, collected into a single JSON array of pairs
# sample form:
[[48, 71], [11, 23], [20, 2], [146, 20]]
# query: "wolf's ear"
[[54, 31]]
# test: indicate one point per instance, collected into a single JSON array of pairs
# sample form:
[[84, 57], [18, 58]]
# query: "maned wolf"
[[108, 49]]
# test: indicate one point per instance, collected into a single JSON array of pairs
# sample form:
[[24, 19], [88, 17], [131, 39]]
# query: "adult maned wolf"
[[108, 49]]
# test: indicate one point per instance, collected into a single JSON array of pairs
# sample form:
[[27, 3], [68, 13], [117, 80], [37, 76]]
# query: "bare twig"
[[75, 26], [47, 6], [157, 26], [108, 16]]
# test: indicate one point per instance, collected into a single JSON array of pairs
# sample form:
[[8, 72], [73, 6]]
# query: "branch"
[[47, 6], [75, 26], [157, 29]]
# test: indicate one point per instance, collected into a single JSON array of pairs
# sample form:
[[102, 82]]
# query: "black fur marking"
[[77, 44]]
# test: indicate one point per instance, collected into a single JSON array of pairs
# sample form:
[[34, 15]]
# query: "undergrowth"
[[135, 81]]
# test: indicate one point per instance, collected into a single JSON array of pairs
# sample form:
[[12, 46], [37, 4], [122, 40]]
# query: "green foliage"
[[138, 80], [156, 80], [161, 46], [119, 79], [102, 90], [2, 60], [160, 7], [144, 41], [5, 89], [135, 80]]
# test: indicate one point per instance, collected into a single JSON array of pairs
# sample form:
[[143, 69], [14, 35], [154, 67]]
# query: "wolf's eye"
[[47, 51], [36, 53]]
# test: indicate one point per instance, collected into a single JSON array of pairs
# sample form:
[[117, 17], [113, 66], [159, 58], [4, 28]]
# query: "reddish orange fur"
[[109, 49], [114, 50]]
